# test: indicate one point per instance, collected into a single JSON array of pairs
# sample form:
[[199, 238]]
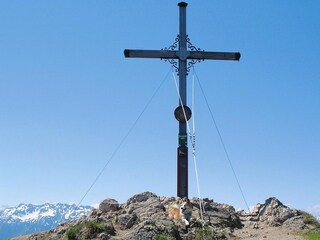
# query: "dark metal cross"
[[179, 59]]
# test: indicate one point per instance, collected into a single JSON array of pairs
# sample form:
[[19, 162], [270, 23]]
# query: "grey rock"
[[223, 215], [127, 220], [296, 222], [108, 227], [145, 209], [256, 209], [141, 197], [275, 213], [108, 205], [104, 236]]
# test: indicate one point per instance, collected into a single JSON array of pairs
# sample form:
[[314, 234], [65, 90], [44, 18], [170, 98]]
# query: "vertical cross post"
[[182, 151]]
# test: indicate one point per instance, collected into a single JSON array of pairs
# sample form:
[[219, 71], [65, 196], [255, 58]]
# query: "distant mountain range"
[[29, 218]]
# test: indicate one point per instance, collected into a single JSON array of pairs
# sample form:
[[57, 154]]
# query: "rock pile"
[[274, 213], [145, 216]]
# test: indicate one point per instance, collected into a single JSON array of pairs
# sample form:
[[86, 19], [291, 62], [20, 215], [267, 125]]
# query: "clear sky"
[[68, 96]]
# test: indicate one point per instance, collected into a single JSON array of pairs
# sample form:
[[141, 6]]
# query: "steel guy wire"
[[221, 140], [125, 137]]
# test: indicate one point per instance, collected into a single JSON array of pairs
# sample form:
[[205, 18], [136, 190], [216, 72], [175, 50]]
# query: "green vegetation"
[[315, 233], [161, 237], [72, 233], [84, 230], [310, 219], [94, 227], [204, 233]]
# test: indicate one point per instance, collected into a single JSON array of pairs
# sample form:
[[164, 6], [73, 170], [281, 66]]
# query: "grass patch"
[[161, 237], [94, 227], [86, 230], [312, 235], [204, 233], [72, 233], [311, 220]]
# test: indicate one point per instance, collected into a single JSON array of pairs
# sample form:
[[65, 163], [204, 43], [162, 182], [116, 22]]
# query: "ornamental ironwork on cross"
[[182, 55]]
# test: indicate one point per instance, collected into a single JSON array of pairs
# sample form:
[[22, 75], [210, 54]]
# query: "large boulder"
[[141, 197], [274, 213], [221, 215], [108, 205]]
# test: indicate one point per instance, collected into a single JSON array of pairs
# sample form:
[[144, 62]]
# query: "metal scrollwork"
[[192, 62], [193, 48], [174, 63], [173, 47]]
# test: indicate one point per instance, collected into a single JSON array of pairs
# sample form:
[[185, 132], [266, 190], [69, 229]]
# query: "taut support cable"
[[124, 137], [222, 142]]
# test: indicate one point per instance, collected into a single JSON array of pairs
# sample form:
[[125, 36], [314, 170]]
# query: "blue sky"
[[68, 96]]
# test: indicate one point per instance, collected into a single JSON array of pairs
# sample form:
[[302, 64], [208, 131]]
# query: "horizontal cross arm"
[[150, 54], [214, 55]]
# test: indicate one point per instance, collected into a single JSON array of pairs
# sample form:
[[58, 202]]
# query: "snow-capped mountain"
[[29, 218]]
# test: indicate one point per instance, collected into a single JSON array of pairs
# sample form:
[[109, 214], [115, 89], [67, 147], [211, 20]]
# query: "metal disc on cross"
[[182, 113]]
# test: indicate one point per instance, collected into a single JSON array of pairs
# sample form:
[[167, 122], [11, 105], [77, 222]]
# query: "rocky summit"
[[145, 216]]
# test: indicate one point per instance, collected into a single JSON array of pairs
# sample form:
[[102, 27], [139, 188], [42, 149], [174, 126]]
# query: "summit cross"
[[179, 59]]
